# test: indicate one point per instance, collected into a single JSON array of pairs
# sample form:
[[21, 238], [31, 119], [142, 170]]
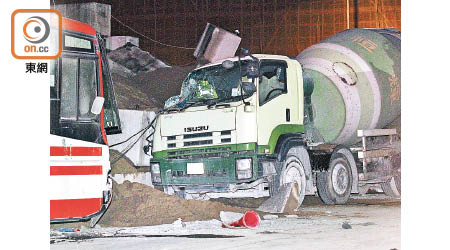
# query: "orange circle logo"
[[36, 29]]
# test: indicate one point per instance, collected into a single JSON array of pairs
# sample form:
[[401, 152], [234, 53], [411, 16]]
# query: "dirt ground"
[[141, 217], [368, 222], [120, 164]]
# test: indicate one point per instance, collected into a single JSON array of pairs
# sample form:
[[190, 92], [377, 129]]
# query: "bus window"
[[88, 87], [69, 88]]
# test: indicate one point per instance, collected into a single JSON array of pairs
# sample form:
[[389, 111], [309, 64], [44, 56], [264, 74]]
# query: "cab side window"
[[272, 82]]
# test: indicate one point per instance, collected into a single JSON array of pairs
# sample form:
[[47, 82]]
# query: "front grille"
[[199, 139], [225, 132], [220, 152], [190, 136], [197, 143], [199, 153]]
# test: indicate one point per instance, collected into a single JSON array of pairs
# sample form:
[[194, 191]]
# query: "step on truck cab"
[[83, 111], [246, 126]]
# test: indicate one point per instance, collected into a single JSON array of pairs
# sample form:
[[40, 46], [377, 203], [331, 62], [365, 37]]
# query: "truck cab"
[[227, 130], [261, 125]]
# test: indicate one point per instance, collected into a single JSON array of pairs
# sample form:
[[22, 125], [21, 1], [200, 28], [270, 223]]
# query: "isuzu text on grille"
[[196, 129]]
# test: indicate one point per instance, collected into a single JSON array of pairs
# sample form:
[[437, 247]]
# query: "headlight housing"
[[156, 172], [244, 168]]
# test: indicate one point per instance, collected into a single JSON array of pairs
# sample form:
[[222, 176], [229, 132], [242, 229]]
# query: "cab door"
[[278, 103]]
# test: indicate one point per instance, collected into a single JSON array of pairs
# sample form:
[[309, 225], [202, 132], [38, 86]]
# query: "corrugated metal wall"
[[267, 26]]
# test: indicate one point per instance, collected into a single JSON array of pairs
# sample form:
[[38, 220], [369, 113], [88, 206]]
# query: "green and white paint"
[[356, 76], [357, 82]]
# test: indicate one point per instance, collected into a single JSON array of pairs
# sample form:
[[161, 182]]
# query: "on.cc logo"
[[36, 29]]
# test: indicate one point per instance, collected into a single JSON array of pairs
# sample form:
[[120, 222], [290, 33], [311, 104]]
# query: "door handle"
[[288, 115]]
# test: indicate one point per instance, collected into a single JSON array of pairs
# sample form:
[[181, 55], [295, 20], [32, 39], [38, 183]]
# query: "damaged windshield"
[[211, 85]]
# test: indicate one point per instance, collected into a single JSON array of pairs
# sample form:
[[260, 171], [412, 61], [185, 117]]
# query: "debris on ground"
[[179, 223], [250, 219], [229, 217], [286, 200], [136, 204], [68, 230], [270, 217], [345, 225]]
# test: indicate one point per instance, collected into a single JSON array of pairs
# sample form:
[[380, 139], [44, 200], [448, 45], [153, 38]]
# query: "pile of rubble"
[[142, 81], [136, 204]]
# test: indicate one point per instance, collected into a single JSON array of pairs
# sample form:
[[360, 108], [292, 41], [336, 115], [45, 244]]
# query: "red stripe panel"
[[73, 208], [75, 151], [76, 170], [74, 25]]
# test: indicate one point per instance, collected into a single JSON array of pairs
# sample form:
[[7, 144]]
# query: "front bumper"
[[217, 169]]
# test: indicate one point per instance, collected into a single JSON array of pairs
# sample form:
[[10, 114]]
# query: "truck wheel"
[[335, 184], [293, 170], [392, 187]]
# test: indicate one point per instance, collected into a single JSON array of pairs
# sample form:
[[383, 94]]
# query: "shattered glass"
[[215, 83]]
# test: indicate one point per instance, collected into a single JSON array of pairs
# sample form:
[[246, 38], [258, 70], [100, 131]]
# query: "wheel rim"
[[293, 174], [339, 179]]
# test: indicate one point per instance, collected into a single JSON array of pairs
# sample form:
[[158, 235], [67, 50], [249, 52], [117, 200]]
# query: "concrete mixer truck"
[[257, 125]]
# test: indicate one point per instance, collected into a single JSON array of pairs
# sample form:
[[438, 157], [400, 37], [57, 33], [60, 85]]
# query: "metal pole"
[[364, 145], [348, 14]]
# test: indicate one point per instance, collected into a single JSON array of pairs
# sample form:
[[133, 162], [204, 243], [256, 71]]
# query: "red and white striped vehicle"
[[83, 111]]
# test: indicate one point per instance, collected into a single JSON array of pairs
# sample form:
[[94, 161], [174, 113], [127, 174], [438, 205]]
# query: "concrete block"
[[132, 121], [97, 15], [115, 42]]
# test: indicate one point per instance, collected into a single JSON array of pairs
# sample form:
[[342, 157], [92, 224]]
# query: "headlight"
[[244, 168], [156, 172]]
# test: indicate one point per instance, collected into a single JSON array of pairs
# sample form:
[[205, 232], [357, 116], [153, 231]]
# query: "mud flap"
[[286, 199]]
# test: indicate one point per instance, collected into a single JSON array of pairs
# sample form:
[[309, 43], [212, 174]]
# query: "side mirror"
[[97, 105]]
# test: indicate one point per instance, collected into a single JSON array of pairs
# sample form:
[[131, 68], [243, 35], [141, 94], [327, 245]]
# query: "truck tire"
[[293, 170], [334, 185], [392, 187]]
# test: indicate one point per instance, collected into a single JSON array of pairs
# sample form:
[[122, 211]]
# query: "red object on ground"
[[249, 220]]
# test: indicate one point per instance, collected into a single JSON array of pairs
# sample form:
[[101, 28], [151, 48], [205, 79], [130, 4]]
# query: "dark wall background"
[[266, 26]]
